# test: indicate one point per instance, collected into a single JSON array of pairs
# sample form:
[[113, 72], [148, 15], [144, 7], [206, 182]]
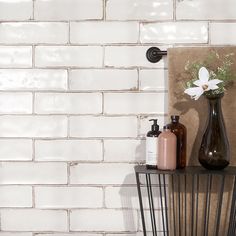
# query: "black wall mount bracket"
[[155, 54]]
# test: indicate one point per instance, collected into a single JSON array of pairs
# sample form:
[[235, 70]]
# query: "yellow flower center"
[[205, 87]]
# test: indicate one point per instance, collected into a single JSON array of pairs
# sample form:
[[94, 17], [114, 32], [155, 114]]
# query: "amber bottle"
[[181, 133]]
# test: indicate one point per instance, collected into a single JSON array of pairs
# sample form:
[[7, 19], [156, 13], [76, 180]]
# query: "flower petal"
[[198, 83], [212, 87], [215, 81], [195, 93], [212, 84], [203, 74]]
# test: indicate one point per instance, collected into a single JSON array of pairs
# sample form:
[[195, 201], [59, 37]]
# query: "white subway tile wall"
[[76, 96]]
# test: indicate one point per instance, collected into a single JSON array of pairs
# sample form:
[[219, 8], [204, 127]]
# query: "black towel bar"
[[155, 54]]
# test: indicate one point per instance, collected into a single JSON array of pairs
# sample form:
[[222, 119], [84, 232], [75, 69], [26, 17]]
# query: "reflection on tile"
[[72, 103], [33, 126], [204, 10], [68, 9], [34, 32], [79, 56], [33, 79], [180, 32], [139, 10], [103, 79], [104, 32]]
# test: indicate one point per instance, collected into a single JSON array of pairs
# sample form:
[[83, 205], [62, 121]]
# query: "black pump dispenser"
[[155, 126], [151, 145]]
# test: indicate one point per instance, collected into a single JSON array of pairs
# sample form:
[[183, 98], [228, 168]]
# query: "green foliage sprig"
[[219, 67]]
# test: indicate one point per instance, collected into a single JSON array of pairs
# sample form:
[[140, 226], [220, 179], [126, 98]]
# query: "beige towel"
[[193, 115]]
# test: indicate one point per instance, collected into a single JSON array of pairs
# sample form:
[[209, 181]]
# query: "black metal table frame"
[[195, 172]]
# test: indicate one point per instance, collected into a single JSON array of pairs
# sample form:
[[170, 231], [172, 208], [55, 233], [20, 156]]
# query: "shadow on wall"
[[128, 193], [129, 196]]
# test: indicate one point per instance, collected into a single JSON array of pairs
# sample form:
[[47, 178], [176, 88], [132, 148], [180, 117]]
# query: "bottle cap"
[[155, 126], [175, 118], [166, 127]]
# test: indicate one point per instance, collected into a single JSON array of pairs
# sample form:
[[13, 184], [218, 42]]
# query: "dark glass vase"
[[214, 153]]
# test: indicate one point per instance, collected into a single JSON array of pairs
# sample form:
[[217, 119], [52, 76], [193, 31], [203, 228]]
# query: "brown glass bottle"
[[181, 133]]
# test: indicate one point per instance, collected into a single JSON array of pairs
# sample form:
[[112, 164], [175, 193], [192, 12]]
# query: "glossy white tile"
[[150, 80], [174, 32], [72, 56], [206, 10], [34, 220], [130, 56], [67, 234], [16, 103], [124, 150], [103, 79], [103, 173], [104, 32], [33, 173], [135, 103], [15, 56], [68, 150], [103, 126], [16, 10], [223, 33], [16, 149], [69, 103], [33, 126], [139, 10], [100, 217], [68, 9], [68, 197], [33, 79], [15, 196], [34, 32]]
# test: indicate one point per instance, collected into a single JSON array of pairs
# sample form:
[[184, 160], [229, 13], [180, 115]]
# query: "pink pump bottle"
[[167, 150]]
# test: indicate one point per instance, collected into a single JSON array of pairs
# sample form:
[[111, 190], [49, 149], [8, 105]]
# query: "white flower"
[[203, 84]]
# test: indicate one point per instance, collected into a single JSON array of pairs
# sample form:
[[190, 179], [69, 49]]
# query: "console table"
[[191, 202]]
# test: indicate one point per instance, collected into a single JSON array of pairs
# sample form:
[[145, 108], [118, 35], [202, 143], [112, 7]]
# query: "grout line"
[[69, 33], [68, 219], [33, 197], [33, 10], [104, 10], [33, 149], [103, 150], [174, 9]]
